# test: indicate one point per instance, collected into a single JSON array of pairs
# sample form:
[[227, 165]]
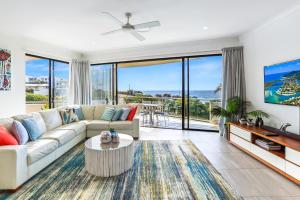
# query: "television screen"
[[282, 83]]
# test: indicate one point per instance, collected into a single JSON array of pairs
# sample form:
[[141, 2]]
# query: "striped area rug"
[[161, 170]]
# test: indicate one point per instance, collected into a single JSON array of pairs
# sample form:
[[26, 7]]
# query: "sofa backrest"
[[51, 118], [37, 116], [7, 123], [88, 112]]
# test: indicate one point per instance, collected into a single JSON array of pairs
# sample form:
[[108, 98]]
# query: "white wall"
[[274, 42], [163, 50], [13, 102]]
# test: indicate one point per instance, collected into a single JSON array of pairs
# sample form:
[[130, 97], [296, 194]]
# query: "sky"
[[205, 74], [283, 67], [41, 68]]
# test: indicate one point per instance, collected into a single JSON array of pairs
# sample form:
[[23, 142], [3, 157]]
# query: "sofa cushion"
[[88, 112], [19, 132], [6, 138], [68, 115], [98, 125], [108, 114], [117, 115], [38, 149], [62, 136], [125, 114], [78, 127], [32, 128], [132, 113], [99, 110], [79, 113], [37, 116], [119, 125], [39, 119], [52, 118], [7, 123]]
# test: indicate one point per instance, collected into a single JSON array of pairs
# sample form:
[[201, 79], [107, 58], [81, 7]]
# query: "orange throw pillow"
[[132, 113], [6, 138]]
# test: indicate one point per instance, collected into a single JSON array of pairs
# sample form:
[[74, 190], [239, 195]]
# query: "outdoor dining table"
[[151, 108]]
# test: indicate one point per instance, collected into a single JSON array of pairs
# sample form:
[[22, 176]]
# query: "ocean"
[[200, 94]]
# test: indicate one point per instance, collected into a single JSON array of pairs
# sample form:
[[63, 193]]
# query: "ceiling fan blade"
[[111, 32], [147, 25], [113, 18], [137, 35]]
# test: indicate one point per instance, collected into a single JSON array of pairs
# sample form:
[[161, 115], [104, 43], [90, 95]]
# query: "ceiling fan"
[[130, 28]]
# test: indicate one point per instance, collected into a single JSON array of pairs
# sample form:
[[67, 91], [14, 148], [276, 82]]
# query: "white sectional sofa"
[[19, 163]]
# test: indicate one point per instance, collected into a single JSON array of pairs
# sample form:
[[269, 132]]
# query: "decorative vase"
[[259, 122], [105, 137]]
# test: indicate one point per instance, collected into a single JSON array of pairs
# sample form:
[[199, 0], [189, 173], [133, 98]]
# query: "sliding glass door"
[[60, 84], [47, 83], [203, 79], [156, 86], [173, 93]]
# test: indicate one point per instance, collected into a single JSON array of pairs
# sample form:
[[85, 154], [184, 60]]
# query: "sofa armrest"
[[13, 166], [136, 127]]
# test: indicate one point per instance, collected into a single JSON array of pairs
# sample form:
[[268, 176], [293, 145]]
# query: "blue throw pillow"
[[19, 132], [108, 114], [117, 115], [79, 113], [125, 114], [32, 128]]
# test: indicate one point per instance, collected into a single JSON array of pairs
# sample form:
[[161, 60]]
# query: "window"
[[47, 83]]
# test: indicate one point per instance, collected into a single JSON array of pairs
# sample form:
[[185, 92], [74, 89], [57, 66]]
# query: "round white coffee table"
[[111, 159]]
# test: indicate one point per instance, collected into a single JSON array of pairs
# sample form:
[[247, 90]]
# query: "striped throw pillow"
[[108, 114]]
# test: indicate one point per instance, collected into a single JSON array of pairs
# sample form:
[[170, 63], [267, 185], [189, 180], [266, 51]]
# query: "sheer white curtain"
[[80, 83]]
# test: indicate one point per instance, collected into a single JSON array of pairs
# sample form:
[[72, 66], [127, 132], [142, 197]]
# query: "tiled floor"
[[253, 180]]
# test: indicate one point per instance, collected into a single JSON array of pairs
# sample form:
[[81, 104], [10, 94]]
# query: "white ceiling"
[[77, 24]]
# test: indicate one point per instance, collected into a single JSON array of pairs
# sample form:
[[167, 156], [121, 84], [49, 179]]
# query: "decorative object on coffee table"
[[105, 137], [114, 135], [259, 115], [109, 159]]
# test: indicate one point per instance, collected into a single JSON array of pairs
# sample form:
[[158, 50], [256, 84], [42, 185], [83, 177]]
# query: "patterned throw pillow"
[[32, 128], [19, 132], [117, 115], [108, 114], [125, 114], [68, 116]]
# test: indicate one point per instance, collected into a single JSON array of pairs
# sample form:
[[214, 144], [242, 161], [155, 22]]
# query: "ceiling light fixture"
[[205, 28]]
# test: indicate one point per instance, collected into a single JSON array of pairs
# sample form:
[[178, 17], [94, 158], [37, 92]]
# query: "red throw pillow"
[[132, 113], [6, 138]]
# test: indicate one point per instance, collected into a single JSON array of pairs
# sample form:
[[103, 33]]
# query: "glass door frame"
[[51, 81], [185, 79]]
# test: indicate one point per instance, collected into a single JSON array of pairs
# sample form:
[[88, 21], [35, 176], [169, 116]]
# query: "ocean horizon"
[[200, 94]]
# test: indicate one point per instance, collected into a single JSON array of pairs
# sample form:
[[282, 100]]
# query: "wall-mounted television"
[[282, 83]]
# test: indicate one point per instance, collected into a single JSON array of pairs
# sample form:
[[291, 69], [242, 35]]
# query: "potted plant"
[[259, 115], [233, 111]]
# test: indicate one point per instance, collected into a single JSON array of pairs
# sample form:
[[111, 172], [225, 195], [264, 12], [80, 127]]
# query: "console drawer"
[[292, 155], [240, 142], [240, 132], [268, 157], [292, 170]]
